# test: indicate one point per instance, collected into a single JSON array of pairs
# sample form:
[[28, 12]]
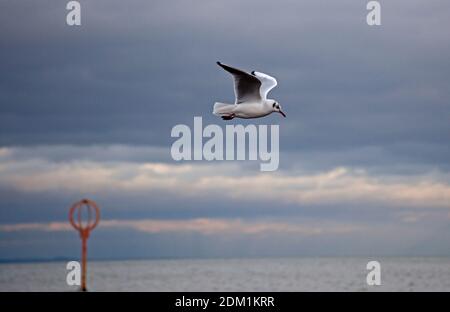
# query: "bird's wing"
[[246, 86], [267, 83]]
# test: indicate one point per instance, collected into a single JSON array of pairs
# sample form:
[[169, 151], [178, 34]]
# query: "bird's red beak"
[[284, 115]]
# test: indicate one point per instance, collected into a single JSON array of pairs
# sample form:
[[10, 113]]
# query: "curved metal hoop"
[[91, 207]]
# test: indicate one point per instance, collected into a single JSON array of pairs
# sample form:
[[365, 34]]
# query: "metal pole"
[[83, 262], [84, 231]]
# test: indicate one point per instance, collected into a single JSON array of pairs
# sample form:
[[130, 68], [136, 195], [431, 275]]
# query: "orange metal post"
[[84, 231], [83, 262]]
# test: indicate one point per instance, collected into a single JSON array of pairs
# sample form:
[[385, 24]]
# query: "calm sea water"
[[298, 274]]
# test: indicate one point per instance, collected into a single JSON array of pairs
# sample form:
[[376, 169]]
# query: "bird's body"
[[251, 96], [245, 111]]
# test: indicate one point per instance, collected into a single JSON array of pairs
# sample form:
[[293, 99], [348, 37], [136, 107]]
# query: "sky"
[[87, 111]]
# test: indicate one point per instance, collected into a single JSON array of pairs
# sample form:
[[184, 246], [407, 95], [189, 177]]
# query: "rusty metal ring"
[[91, 207]]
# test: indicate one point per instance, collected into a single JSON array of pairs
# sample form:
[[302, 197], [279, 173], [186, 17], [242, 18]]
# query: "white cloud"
[[34, 173], [207, 226]]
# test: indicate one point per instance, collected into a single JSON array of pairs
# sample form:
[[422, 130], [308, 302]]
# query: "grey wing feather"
[[267, 83], [246, 86]]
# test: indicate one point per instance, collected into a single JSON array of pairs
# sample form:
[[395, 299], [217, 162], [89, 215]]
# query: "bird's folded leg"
[[227, 117]]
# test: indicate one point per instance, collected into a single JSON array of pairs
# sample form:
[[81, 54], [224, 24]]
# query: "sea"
[[223, 275]]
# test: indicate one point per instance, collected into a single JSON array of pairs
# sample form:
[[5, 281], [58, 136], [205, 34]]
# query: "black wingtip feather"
[[253, 72]]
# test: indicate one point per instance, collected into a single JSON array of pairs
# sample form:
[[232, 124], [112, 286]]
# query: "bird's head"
[[276, 107]]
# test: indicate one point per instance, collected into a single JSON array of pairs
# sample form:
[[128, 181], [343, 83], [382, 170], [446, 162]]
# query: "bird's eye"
[[273, 105]]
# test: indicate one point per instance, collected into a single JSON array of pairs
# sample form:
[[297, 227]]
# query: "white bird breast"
[[252, 110]]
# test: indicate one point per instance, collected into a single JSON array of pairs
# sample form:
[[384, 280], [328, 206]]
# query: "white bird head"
[[276, 107]]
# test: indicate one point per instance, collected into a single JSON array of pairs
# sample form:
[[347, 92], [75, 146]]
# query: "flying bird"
[[251, 96]]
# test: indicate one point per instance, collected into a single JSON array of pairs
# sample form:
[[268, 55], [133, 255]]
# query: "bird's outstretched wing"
[[267, 83], [246, 86]]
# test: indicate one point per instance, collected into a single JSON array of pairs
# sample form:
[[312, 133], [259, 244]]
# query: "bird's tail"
[[222, 109]]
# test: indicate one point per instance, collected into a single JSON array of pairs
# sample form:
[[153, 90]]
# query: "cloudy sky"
[[87, 112]]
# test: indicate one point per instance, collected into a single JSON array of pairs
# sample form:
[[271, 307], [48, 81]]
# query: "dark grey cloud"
[[375, 98], [135, 69], [389, 239]]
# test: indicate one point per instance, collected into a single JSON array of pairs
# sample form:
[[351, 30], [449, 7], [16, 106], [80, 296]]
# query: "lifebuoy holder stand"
[[84, 228]]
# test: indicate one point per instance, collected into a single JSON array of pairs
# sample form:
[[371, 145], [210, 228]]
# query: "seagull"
[[251, 96]]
